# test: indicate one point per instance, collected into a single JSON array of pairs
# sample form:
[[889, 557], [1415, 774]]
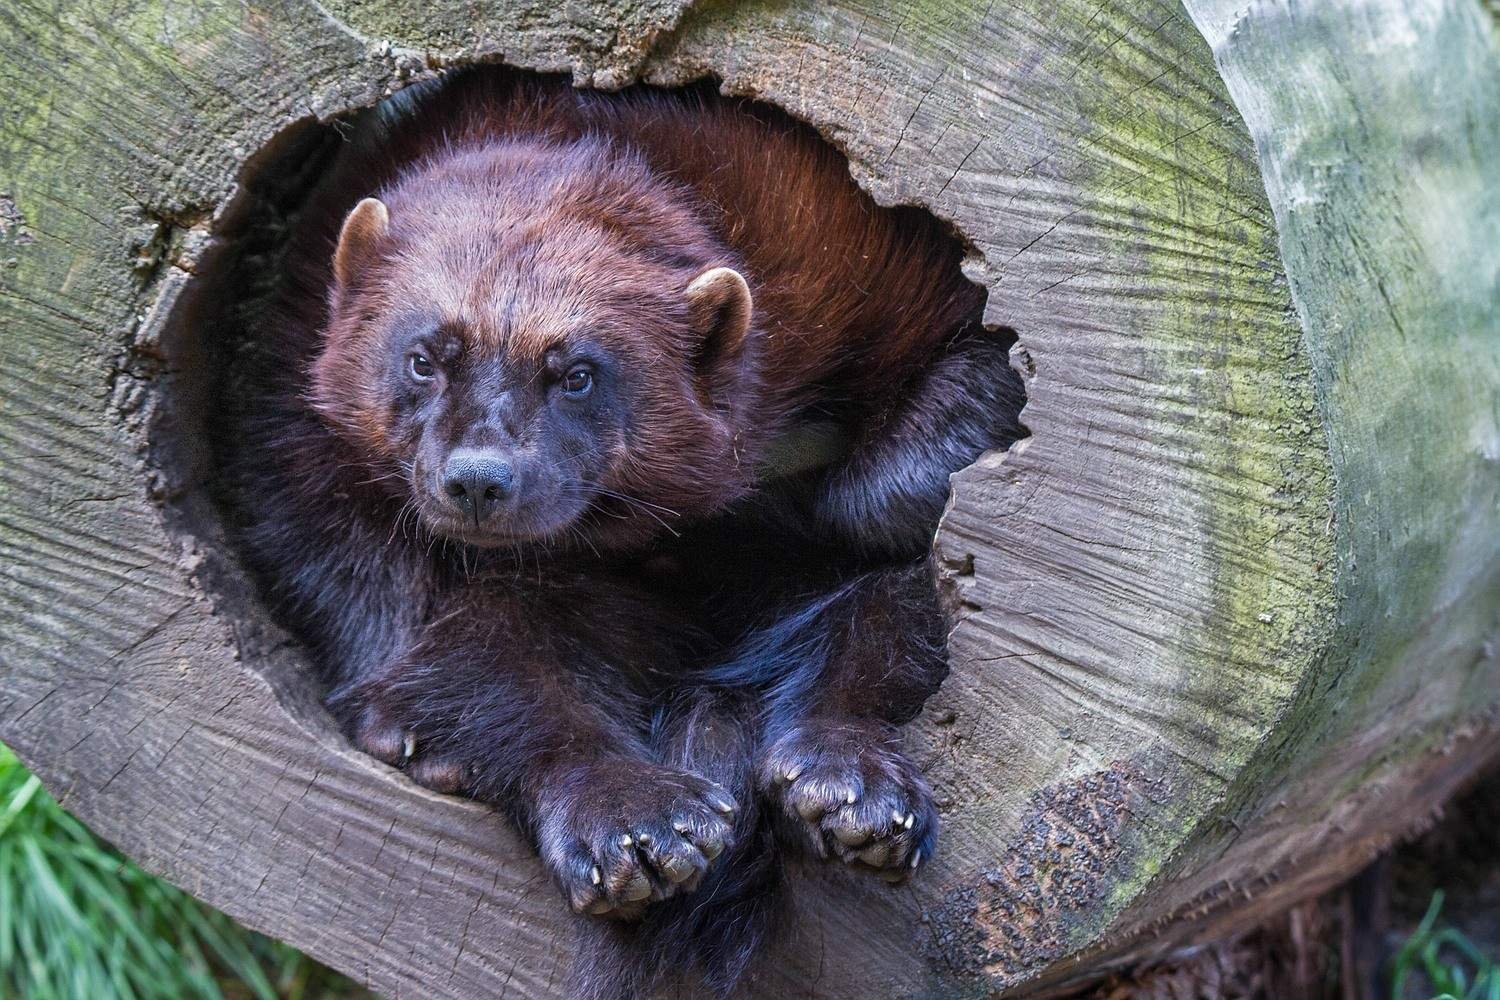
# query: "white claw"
[[681, 826], [898, 817], [596, 876], [916, 859], [792, 774], [849, 797], [627, 841], [910, 819], [408, 746]]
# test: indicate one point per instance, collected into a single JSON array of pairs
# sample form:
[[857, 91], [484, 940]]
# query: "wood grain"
[[1229, 618]]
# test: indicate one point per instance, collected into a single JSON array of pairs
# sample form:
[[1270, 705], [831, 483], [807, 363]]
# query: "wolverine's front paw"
[[847, 786], [381, 733], [620, 834]]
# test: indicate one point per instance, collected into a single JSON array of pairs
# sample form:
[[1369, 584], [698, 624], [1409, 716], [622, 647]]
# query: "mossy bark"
[[1228, 619]]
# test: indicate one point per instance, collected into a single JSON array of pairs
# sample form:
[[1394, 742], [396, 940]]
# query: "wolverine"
[[595, 444]]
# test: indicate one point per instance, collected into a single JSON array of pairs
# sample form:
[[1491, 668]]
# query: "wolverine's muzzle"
[[479, 482]]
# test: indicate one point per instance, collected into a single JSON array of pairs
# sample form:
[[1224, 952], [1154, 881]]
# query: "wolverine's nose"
[[478, 481]]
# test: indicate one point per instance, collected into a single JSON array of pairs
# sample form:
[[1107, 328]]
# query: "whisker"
[[636, 500], [646, 507], [393, 474]]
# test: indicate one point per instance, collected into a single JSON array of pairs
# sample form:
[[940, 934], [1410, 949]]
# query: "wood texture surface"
[[1230, 617]]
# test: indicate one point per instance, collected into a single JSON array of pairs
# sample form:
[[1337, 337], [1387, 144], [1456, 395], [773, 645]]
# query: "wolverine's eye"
[[421, 369], [577, 382]]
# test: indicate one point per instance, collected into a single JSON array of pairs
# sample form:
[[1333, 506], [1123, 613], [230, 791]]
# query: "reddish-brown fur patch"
[[522, 210]]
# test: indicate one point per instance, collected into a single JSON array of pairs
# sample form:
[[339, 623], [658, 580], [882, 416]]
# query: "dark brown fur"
[[625, 658]]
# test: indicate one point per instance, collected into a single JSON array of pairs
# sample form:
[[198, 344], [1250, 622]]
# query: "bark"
[[1229, 618]]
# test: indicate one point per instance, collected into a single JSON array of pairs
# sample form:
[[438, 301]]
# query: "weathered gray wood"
[[1230, 617]]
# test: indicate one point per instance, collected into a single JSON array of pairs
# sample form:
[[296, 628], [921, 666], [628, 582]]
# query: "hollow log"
[[1228, 620]]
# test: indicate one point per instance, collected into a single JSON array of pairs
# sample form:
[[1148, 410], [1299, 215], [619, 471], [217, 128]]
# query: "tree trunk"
[[1229, 618]]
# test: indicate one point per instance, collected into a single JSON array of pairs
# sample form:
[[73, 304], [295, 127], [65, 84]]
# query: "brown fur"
[[638, 623], [510, 234]]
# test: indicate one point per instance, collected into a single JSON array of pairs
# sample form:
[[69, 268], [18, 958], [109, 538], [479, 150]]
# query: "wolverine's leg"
[[841, 672], [525, 698]]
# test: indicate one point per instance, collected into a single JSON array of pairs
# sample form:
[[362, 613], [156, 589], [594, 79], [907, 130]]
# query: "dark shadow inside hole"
[[240, 277]]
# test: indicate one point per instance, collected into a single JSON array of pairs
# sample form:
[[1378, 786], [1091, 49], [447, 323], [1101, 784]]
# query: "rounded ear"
[[719, 302], [366, 225]]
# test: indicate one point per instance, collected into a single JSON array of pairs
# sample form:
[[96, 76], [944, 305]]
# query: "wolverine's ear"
[[719, 301], [363, 229]]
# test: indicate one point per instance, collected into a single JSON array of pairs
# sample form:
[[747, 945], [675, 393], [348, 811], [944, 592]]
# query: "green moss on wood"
[[1378, 131]]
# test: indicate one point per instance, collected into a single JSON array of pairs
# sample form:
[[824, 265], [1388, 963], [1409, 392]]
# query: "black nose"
[[478, 481]]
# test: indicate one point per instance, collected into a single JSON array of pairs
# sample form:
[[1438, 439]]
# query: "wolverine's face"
[[498, 445], [533, 381]]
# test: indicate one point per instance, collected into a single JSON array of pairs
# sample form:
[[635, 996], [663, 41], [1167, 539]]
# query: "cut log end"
[[1228, 621]]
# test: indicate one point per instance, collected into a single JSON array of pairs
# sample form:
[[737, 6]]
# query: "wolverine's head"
[[541, 342]]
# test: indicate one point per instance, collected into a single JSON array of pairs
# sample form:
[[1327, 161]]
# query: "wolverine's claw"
[[408, 746]]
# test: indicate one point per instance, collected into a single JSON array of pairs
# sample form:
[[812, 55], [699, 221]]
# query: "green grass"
[[79, 920], [1453, 967]]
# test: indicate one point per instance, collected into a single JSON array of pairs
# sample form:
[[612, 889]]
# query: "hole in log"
[[217, 346], [215, 331]]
